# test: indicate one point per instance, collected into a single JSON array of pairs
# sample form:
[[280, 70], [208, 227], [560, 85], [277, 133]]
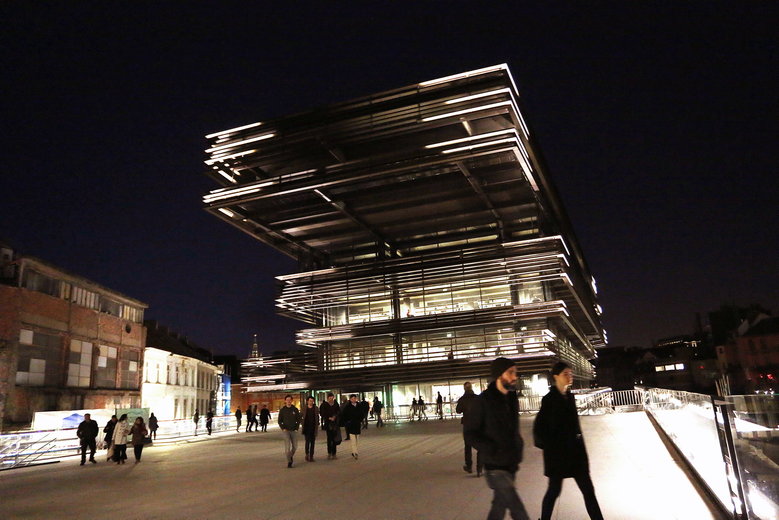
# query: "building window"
[[85, 298], [79, 363], [38, 282], [132, 314], [128, 362], [110, 307], [39, 357], [105, 372]]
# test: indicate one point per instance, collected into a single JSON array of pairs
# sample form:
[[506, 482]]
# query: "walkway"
[[405, 471]]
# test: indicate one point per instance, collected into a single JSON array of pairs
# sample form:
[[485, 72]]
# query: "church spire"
[[255, 348]]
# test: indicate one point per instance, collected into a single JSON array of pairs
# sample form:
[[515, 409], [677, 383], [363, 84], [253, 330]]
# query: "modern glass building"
[[430, 236]]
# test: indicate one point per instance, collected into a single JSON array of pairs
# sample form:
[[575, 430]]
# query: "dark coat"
[[289, 418], [264, 416], [138, 433], [557, 430], [351, 418], [465, 404], [310, 420], [88, 430], [109, 432], [326, 411], [492, 427]]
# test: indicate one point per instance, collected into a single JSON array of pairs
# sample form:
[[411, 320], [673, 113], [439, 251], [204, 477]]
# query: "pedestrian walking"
[[109, 437], [365, 409], [138, 433], [329, 411], [351, 419], [289, 422], [120, 439], [196, 419], [557, 431], [264, 417], [153, 425], [377, 408], [492, 427], [310, 426], [421, 408], [465, 406], [439, 407], [255, 418], [87, 433], [249, 418], [413, 408], [209, 421], [238, 416]]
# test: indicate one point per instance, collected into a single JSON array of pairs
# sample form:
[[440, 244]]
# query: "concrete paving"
[[405, 471]]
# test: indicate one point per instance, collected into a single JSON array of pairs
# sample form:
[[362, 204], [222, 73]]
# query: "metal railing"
[[29, 447], [729, 442]]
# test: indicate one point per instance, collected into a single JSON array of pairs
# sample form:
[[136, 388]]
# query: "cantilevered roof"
[[430, 165]]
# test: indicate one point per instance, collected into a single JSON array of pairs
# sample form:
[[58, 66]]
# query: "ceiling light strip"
[[232, 130]]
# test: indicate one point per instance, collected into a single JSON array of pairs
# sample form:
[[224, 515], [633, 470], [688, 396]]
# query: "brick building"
[[751, 359], [66, 343]]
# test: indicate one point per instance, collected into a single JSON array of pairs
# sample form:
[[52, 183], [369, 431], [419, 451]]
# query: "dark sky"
[[659, 123]]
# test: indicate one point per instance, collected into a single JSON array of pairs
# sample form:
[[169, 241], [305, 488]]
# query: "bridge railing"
[[729, 442]]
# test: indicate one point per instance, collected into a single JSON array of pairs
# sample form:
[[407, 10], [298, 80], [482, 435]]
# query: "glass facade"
[[429, 235]]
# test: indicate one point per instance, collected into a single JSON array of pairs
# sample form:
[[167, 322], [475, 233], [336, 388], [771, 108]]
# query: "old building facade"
[[65, 342]]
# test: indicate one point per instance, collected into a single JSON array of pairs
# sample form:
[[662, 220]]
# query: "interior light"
[[232, 130], [477, 96], [472, 138], [222, 158], [227, 176], [464, 75], [227, 212], [478, 145], [244, 141], [467, 111]]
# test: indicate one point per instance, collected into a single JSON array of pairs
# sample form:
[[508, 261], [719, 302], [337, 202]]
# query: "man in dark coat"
[[238, 416], [289, 422], [249, 418], [556, 430], [154, 425], [264, 418], [492, 427], [365, 409], [209, 421], [87, 432], [465, 407], [329, 412]]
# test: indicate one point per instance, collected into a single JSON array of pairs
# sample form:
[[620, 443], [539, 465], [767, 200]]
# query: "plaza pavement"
[[405, 471]]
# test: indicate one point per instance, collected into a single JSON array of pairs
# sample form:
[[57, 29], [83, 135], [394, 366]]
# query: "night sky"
[[659, 123]]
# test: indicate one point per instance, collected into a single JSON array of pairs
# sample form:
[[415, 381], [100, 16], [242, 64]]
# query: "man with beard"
[[492, 427]]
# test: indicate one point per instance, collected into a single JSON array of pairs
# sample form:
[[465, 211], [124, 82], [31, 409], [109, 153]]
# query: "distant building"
[[178, 376], [66, 342], [616, 367], [430, 237], [751, 359]]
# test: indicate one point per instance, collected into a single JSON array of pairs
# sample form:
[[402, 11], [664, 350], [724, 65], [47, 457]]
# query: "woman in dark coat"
[[138, 432], [310, 426], [351, 419], [556, 431]]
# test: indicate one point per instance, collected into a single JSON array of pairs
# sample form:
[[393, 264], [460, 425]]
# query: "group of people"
[[491, 426], [117, 432], [258, 420], [418, 409], [330, 417]]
